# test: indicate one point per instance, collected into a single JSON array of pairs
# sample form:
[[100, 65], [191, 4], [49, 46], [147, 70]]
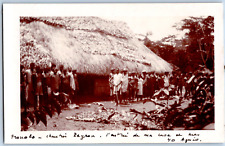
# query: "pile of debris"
[[127, 119]]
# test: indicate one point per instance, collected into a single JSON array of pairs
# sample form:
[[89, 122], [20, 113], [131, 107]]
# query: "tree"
[[194, 50], [170, 49], [200, 40]]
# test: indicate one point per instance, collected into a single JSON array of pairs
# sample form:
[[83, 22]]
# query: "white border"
[[11, 14]]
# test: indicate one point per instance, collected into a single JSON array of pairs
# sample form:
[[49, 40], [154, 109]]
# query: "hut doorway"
[[93, 88]]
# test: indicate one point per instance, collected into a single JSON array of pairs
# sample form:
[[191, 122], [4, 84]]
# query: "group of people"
[[39, 84], [125, 87]]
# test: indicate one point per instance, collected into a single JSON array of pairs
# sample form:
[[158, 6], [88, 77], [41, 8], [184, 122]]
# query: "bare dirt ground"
[[61, 122]]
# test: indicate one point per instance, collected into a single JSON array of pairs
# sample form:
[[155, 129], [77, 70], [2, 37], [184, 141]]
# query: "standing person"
[[172, 81], [185, 89], [167, 87], [172, 78], [58, 78], [133, 86], [180, 84], [154, 76], [194, 82], [44, 86], [176, 82], [66, 87], [30, 94], [129, 86], [120, 74], [22, 88], [48, 74], [124, 85], [54, 83], [76, 98], [157, 80], [145, 83], [151, 83], [189, 84], [161, 80], [72, 85], [166, 80], [111, 82], [117, 85], [140, 87], [65, 82], [39, 102], [53, 76]]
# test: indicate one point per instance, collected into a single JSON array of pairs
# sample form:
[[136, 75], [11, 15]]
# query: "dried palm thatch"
[[89, 44]]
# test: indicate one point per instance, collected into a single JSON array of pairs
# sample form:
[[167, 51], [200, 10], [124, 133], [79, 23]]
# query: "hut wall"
[[93, 88], [86, 85], [101, 88]]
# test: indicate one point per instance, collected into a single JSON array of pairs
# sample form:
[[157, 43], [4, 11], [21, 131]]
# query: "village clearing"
[[95, 116]]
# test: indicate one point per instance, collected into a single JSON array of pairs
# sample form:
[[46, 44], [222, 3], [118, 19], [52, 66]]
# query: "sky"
[[140, 17], [159, 26]]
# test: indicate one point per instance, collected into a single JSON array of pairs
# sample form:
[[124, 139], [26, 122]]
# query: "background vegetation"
[[195, 49]]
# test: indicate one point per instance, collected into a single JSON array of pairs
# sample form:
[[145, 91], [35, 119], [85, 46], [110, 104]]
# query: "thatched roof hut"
[[89, 44]]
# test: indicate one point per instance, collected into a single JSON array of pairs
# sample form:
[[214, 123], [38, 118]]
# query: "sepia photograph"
[[92, 73], [135, 71]]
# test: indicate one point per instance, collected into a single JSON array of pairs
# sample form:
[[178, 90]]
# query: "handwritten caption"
[[165, 137]]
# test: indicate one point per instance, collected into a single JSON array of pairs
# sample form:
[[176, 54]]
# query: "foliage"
[[54, 105], [194, 50], [170, 49], [200, 39], [198, 113]]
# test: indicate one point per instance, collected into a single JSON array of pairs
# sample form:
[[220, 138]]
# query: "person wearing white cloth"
[[140, 87], [117, 80], [72, 84], [111, 75], [166, 80]]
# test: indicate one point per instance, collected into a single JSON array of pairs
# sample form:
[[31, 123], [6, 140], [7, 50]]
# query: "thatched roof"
[[88, 44]]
